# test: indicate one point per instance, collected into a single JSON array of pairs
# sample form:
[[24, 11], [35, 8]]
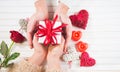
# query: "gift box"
[[58, 36], [49, 32]]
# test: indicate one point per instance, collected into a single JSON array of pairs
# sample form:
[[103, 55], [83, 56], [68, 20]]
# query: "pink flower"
[[17, 37]]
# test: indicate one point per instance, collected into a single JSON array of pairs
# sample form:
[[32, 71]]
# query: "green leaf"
[[13, 56], [4, 49], [4, 63]]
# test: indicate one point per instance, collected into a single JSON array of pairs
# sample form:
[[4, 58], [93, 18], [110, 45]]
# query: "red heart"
[[76, 35], [85, 60], [80, 20], [81, 46]]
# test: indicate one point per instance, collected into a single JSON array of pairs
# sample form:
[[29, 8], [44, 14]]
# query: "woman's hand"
[[65, 19], [40, 14], [40, 53], [61, 11]]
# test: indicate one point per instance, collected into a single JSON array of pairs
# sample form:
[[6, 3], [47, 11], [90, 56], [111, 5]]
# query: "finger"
[[65, 48], [64, 19], [30, 40], [35, 41], [61, 9], [64, 45], [30, 29]]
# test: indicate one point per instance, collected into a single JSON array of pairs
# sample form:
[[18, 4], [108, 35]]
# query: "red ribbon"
[[49, 31]]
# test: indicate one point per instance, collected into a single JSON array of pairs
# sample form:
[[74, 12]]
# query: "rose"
[[17, 37], [5, 51]]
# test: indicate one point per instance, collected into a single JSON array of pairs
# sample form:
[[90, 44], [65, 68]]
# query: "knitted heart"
[[80, 20], [85, 60]]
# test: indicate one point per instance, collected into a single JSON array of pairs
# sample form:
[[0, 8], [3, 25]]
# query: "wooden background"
[[102, 33]]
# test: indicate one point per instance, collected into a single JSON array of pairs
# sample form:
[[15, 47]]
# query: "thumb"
[[30, 31], [65, 50]]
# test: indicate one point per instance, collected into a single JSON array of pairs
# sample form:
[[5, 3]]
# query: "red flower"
[[17, 37], [81, 46], [80, 20]]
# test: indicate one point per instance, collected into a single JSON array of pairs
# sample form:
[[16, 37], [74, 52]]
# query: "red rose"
[[17, 37]]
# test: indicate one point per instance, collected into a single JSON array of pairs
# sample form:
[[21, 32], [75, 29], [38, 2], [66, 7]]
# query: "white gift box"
[[58, 36]]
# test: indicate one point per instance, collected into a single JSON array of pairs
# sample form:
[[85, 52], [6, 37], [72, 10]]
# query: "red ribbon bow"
[[49, 31]]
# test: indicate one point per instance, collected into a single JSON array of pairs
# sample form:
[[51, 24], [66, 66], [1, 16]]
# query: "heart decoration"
[[81, 46], [76, 35], [85, 60], [80, 20]]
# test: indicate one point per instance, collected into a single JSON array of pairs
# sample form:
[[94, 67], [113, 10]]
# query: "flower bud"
[[17, 37]]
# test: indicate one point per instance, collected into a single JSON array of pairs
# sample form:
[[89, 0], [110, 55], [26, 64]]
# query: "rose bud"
[[17, 37]]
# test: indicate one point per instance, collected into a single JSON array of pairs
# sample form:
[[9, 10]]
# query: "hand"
[[65, 19], [40, 14], [54, 56], [61, 11], [40, 53]]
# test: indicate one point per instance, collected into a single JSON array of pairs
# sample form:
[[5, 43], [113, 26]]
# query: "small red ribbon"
[[49, 31]]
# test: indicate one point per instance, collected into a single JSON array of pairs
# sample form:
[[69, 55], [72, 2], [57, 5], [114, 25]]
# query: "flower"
[[5, 50], [17, 37], [76, 35], [81, 46], [80, 19]]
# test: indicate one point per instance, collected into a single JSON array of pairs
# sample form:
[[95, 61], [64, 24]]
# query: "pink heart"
[[80, 20], [85, 60]]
